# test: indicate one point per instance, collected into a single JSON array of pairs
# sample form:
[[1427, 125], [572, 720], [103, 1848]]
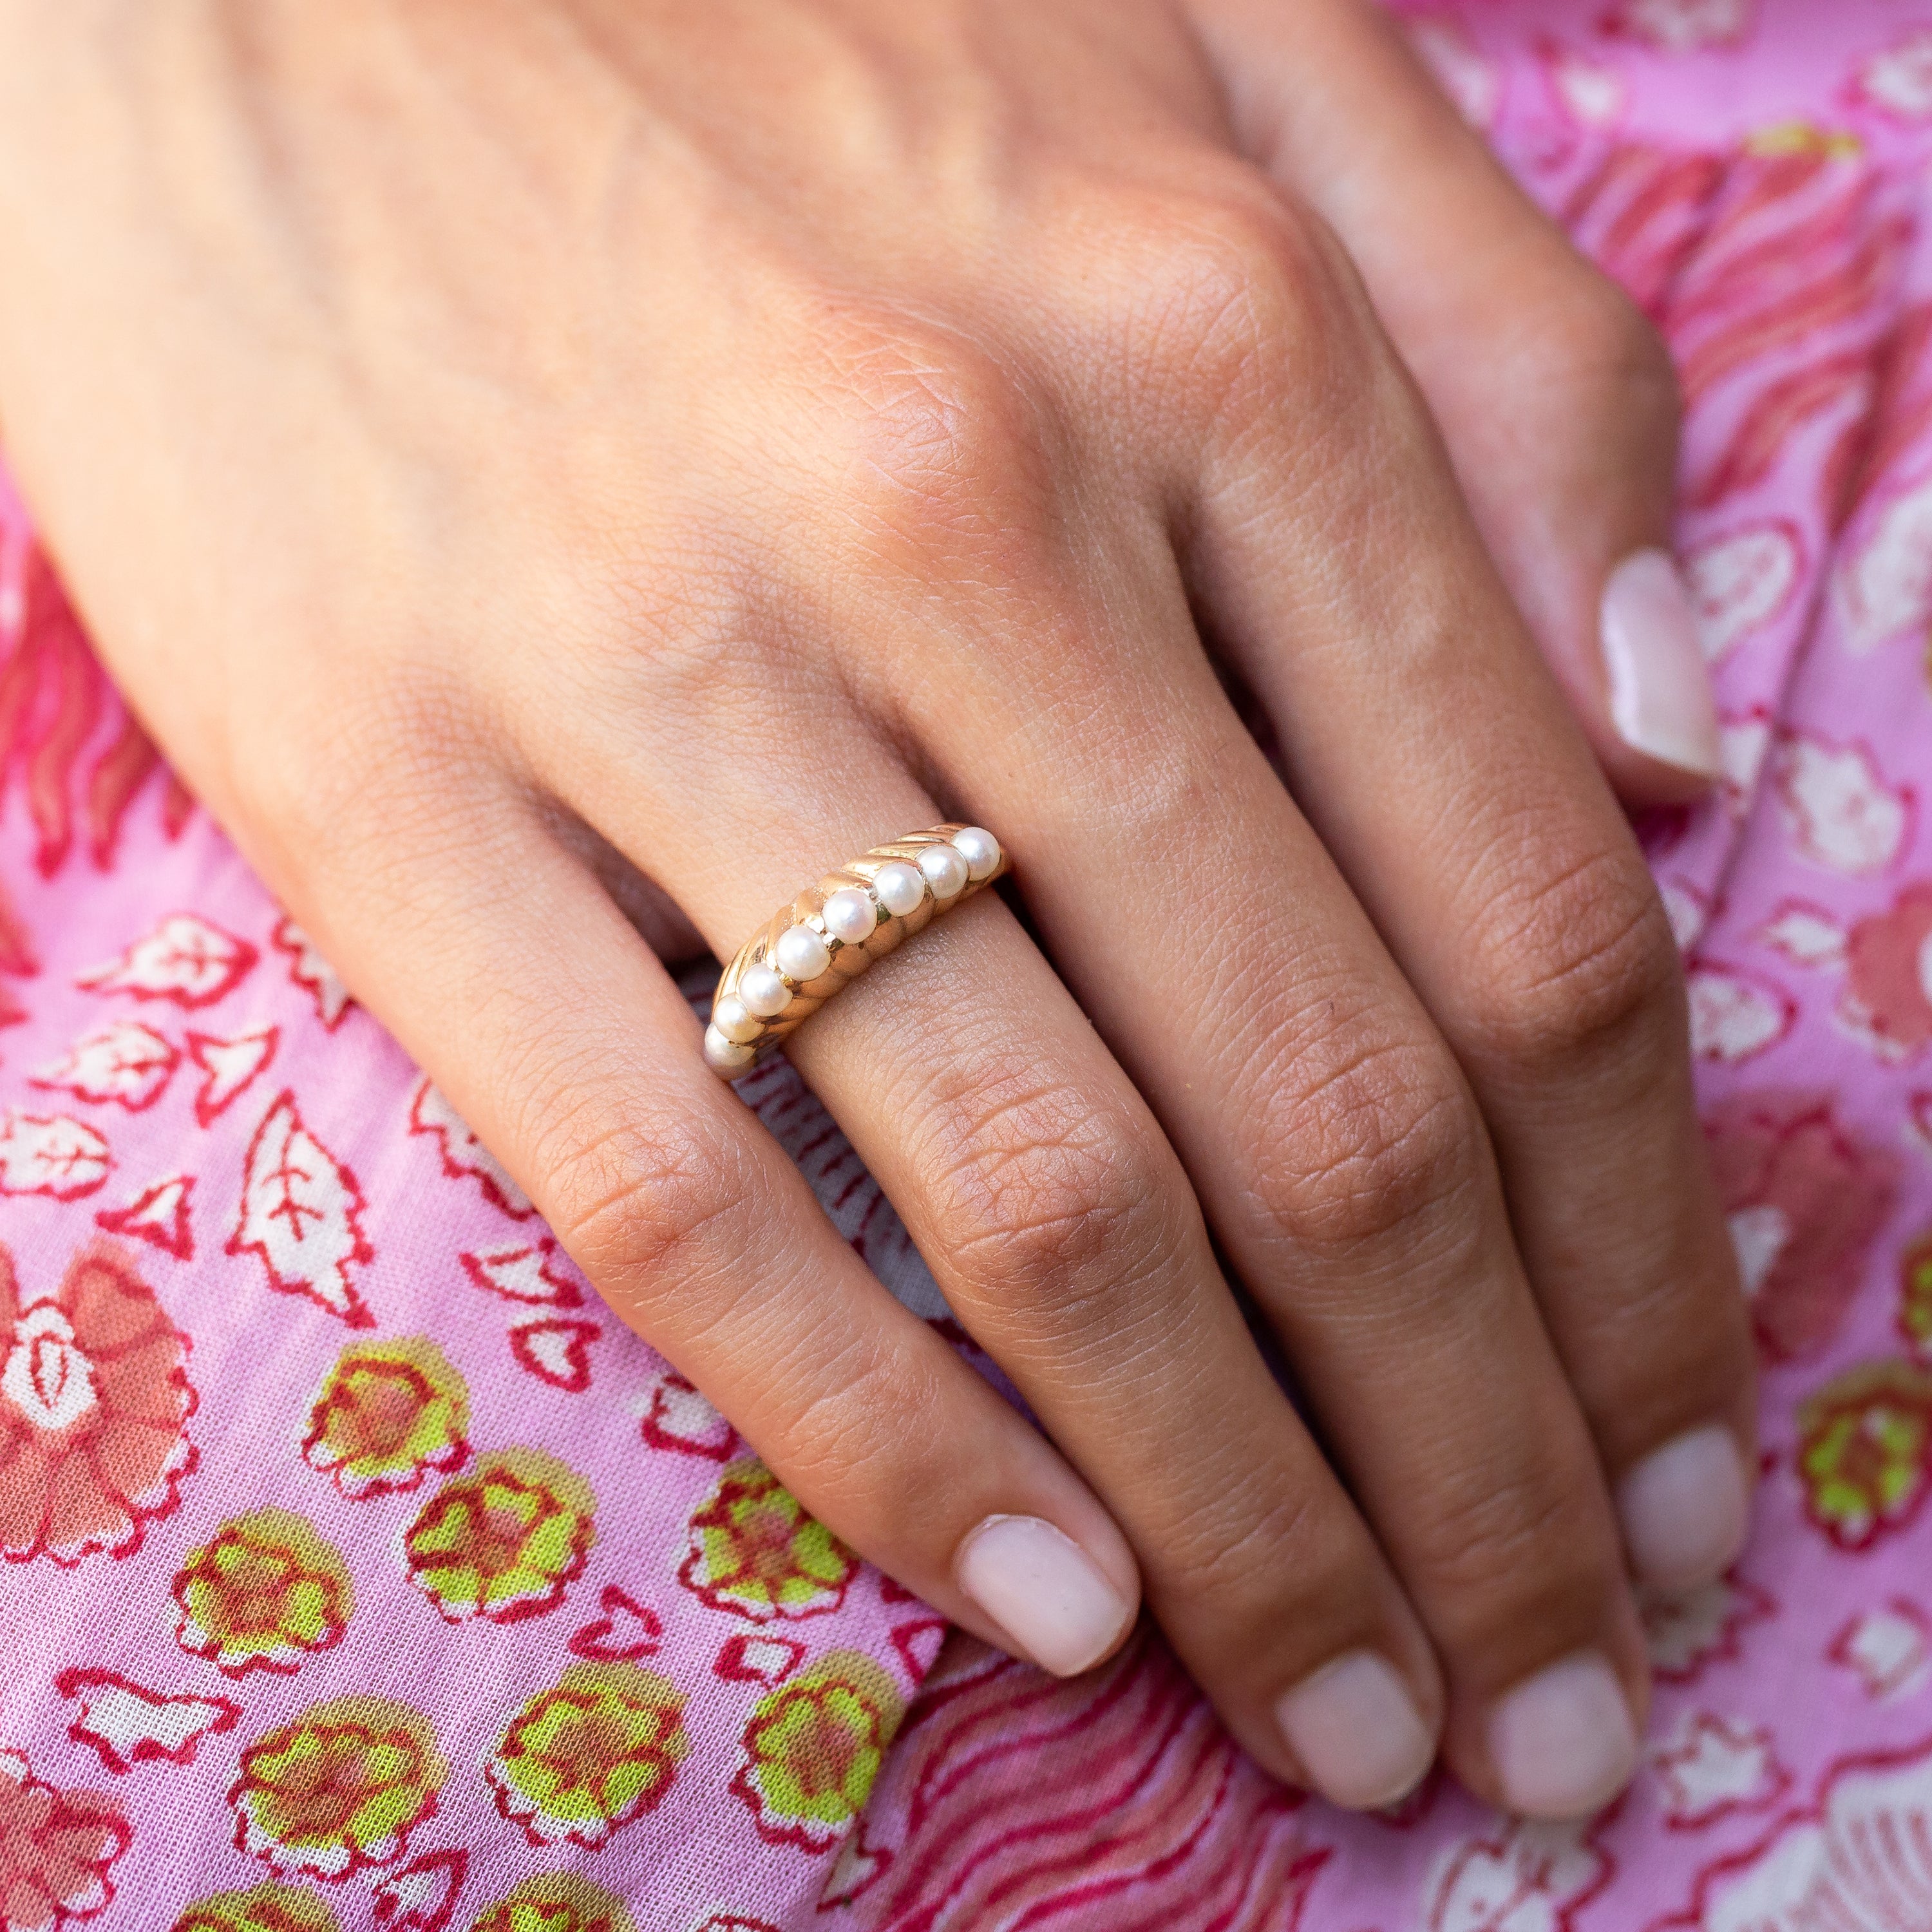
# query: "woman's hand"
[[491, 439]]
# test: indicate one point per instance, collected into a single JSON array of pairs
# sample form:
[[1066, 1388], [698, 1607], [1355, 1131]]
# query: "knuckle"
[[849, 1435], [646, 1202], [1044, 1201], [1598, 346], [1372, 1140], [931, 436], [1514, 1549], [1592, 967], [1244, 291], [1239, 1553], [1672, 1348]]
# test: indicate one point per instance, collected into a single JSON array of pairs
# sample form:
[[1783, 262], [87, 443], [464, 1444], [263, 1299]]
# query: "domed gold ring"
[[826, 937]]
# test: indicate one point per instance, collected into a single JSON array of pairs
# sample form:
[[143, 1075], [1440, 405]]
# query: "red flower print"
[[755, 1552], [597, 1750], [502, 1542], [556, 1902], [386, 1414], [55, 1848], [1887, 1001], [1915, 1300], [338, 1789], [262, 1593], [267, 1907], [1805, 1197], [94, 1400], [1864, 1451], [813, 1748]]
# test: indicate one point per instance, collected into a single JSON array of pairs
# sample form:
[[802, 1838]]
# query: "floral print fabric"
[[359, 1570], [361, 1574]]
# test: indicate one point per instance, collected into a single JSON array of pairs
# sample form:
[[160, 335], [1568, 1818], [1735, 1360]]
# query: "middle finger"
[[1341, 1157]]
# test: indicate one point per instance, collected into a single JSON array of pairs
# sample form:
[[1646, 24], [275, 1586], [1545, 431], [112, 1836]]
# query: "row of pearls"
[[849, 916]]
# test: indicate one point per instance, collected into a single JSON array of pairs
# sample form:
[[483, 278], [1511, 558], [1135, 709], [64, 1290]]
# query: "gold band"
[[833, 931]]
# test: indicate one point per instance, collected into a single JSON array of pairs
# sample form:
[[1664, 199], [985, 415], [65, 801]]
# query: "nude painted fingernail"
[[1685, 1509], [1661, 700], [1357, 1732], [1042, 1588], [1562, 1742]]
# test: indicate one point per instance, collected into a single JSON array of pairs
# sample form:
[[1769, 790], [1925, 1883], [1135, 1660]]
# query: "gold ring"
[[833, 931]]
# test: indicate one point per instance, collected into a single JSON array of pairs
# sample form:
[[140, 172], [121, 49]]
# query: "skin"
[[521, 458]]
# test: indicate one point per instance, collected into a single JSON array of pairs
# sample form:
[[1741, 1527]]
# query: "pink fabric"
[[364, 1573]]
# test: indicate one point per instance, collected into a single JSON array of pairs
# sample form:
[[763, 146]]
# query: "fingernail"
[[1685, 1509], [1357, 1732], [1042, 1588], [1661, 700], [1562, 1742]]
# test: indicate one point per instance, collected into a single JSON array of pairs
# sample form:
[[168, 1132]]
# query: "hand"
[[719, 438]]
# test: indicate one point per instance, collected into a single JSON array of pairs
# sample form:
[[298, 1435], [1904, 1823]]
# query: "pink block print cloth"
[[362, 1574]]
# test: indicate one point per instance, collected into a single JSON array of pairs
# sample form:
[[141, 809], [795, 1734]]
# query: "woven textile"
[[363, 1573]]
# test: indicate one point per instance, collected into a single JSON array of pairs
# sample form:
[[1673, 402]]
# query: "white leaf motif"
[[1842, 813], [314, 974], [1739, 583], [57, 1156], [128, 1724], [1861, 1858], [230, 1065], [463, 1153], [300, 1216], [184, 959], [123, 1061], [1733, 1018], [1883, 589]]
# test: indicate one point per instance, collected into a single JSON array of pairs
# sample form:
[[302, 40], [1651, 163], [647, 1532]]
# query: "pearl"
[[980, 849], [900, 888], [801, 954], [735, 1020], [944, 870], [726, 1055], [762, 992], [849, 915]]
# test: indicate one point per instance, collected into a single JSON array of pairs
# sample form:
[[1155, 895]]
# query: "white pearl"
[[980, 849], [900, 888], [726, 1055], [801, 954], [945, 870], [734, 1020], [762, 992], [849, 915]]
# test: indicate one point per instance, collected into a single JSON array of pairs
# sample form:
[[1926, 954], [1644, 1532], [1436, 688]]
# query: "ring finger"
[[1063, 1231]]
